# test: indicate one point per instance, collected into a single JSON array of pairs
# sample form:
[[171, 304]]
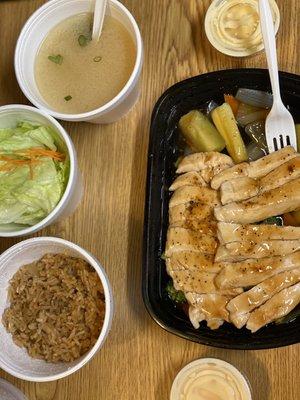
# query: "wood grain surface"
[[139, 360]]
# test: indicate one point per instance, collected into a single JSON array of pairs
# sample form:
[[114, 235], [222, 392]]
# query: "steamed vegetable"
[[200, 133], [254, 152], [256, 132], [273, 221], [225, 122], [252, 117], [175, 295], [233, 102], [33, 173], [256, 98]]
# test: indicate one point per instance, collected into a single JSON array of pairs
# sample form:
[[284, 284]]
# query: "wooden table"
[[139, 360]]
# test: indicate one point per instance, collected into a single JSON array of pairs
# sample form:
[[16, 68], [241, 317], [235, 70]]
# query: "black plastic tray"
[[163, 153]]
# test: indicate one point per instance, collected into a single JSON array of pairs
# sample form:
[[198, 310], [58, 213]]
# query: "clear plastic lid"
[[233, 27], [10, 392]]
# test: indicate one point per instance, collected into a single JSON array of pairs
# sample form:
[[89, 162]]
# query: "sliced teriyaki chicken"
[[278, 306], [181, 239], [199, 161], [239, 251], [253, 271], [228, 233], [208, 173], [277, 201], [208, 227], [192, 178], [286, 172], [241, 306], [244, 187], [238, 189], [207, 307], [192, 211], [191, 261], [185, 194], [199, 282], [255, 169]]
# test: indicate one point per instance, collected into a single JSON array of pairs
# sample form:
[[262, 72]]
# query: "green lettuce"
[[29, 193]]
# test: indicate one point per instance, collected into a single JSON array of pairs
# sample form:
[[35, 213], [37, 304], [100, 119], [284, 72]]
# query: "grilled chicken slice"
[[241, 306], [238, 189], [244, 187], [207, 307], [199, 282], [192, 211], [278, 306], [199, 161], [191, 261], [208, 173], [253, 271], [228, 233], [185, 194], [284, 173], [274, 202], [208, 226], [255, 169], [181, 239], [192, 178], [239, 251]]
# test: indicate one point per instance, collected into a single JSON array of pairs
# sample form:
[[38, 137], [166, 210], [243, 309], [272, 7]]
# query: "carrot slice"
[[233, 102]]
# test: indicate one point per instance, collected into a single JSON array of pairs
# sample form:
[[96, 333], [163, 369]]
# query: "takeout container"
[[37, 28], [15, 360], [190, 370], [164, 151]]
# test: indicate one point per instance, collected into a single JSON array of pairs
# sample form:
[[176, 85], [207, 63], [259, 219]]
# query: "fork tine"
[[270, 143], [292, 141]]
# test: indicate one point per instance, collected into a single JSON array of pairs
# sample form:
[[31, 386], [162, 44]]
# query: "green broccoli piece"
[[273, 221], [175, 295]]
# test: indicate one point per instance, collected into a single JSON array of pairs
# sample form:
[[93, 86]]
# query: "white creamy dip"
[[210, 379], [232, 26]]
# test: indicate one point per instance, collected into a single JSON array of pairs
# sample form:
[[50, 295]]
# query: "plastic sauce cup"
[[9, 116], [10, 392], [36, 29], [210, 378]]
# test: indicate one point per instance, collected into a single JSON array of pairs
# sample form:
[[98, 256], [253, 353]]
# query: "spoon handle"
[[99, 14]]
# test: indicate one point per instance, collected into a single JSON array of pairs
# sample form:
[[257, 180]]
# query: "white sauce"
[[210, 379], [232, 26]]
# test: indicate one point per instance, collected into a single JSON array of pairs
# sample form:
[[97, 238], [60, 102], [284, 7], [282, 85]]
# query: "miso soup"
[[75, 74]]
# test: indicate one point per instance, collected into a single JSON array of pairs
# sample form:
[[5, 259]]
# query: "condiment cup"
[[226, 43], [15, 360], [10, 392], [188, 375], [9, 117], [36, 29]]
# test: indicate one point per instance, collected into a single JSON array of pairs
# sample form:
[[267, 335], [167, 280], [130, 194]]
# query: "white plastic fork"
[[280, 126]]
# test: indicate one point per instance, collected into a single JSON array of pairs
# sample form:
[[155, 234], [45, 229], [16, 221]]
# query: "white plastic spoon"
[[99, 14]]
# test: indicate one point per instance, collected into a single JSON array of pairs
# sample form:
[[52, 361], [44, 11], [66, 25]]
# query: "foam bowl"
[[15, 360], [34, 32], [10, 115]]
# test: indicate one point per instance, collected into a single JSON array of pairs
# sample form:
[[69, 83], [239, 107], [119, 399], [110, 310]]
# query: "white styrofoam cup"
[[34, 32]]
